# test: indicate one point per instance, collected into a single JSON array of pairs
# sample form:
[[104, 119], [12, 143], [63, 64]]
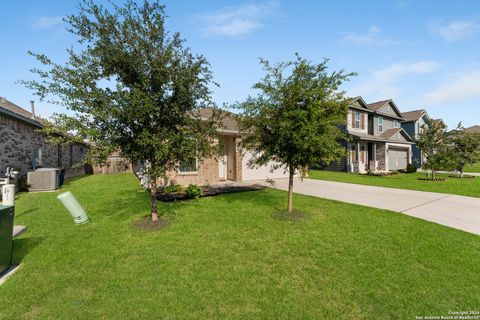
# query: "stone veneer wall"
[[18, 140]]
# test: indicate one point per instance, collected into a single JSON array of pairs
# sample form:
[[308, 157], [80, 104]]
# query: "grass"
[[227, 257], [472, 168], [464, 187]]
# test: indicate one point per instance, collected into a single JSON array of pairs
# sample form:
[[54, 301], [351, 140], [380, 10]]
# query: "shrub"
[[173, 188], [193, 191], [22, 184], [393, 173], [411, 168]]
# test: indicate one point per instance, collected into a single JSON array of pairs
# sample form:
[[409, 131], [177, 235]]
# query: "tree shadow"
[[25, 212], [22, 246]]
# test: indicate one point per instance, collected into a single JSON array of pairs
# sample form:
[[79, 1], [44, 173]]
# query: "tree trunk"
[[290, 189], [153, 199], [461, 172], [433, 175]]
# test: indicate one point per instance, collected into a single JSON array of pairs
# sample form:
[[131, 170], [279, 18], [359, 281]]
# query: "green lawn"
[[225, 257], [472, 168], [464, 187]]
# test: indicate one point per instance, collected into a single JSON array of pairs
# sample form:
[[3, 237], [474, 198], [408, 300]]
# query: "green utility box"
[[6, 237]]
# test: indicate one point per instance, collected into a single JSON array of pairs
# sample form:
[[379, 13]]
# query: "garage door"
[[397, 159], [262, 173]]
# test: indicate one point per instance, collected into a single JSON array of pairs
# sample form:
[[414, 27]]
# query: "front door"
[[222, 162]]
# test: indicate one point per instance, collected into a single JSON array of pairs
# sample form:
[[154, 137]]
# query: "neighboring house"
[[25, 149], [231, 165], [414, 123], [473, 129], [377, 141]]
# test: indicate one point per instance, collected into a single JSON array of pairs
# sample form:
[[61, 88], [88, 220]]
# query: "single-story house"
[[23, 148], [473, 129], [231, 165]]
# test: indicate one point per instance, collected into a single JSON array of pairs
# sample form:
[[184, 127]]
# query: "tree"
[[465, 148], [432, 141], [131, 86], [296, 118]]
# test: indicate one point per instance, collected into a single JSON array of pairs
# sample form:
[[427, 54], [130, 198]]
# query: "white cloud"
[[373, 36], [456, 30], [234, 21], [45, 22], [460, 87], [383, 83]]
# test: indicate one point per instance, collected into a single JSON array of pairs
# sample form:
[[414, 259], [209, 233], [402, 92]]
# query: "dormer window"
[[396, 124], [380, 124]]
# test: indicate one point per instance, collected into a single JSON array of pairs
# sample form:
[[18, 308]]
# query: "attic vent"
[[3, 99]]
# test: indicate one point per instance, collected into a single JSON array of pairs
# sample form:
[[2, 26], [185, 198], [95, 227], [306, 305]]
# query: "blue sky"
[[422, 54]]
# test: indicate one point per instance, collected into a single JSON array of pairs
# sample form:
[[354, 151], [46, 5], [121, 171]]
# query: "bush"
[[22, 184], [393, 173], [193, 191], [173, 188], [411, 168]]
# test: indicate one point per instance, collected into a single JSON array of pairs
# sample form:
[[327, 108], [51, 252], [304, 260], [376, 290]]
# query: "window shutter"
[[362, 121], [353, 119]]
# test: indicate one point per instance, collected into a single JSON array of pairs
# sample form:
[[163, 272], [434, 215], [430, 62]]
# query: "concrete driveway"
[[458, 212]]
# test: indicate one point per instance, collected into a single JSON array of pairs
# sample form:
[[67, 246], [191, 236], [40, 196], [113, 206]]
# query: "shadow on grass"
[[22, 246], [25, 212]]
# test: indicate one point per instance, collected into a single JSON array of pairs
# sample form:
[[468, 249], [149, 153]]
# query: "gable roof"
[[414, 115], [11, 109], [361, 102], [391, 132], [375, 106], [227, 119], [473, 129]]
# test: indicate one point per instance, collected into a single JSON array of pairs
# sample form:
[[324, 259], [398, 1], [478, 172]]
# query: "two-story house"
[[377, 141], [415, 122]]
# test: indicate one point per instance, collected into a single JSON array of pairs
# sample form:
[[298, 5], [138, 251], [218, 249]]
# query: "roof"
[[414, 115], [473, 129], [391, 132], [385, 137], [229, 123], [377, 105], [11, 109], [363, 104]]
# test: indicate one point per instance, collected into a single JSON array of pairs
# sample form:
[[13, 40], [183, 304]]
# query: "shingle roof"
[[390, 133], [17, 111], [473, 129], [414, 115], [227, 118], [377, 105]]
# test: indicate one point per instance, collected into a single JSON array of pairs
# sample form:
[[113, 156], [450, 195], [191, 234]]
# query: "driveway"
[[458, 212]]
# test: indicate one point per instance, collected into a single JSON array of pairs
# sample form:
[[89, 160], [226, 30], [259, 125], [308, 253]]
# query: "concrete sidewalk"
[[458, 212]]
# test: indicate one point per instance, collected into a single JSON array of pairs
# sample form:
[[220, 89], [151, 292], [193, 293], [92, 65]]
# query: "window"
[[357, 119], [37, 158], [396, 124], [380, 124], [189, 166]]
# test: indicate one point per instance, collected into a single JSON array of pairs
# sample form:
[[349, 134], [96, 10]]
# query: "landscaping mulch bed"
[[294, 216], [433, 180], [208, 191], [465, 176], [147, 225]]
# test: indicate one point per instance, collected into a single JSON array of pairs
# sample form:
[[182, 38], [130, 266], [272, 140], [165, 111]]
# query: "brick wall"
[[18, 142]]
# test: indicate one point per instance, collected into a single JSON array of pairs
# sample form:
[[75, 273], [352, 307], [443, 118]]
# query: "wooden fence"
[[113, 165]]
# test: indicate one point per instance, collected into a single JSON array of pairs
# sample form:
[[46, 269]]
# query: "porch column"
[[358, 151], [374, 152]]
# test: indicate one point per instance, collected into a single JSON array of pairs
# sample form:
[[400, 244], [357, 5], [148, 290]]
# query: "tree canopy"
[[130, 85], [296, 118]]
